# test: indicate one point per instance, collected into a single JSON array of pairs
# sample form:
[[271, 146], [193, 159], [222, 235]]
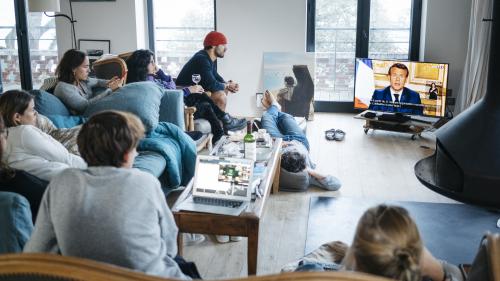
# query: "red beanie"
[[214, 38]]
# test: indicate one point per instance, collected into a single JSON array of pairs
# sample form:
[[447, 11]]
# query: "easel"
[[415, 128]]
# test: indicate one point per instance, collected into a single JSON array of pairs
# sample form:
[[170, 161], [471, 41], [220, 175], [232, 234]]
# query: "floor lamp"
[[54, 6]]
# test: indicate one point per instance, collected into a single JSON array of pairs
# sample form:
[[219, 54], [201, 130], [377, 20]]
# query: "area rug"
[[451, 232]]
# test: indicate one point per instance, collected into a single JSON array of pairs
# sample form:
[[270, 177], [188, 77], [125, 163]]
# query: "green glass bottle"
[[249, 143]]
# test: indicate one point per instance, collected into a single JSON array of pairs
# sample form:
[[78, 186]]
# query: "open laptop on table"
[[221, 186]]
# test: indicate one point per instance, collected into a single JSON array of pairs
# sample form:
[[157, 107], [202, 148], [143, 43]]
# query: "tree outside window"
[[180, 27]]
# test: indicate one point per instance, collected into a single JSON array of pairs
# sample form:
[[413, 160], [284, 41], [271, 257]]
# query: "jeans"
[[282, 125]]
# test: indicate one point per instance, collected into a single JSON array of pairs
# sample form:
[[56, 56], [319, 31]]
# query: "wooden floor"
[[377, 165]]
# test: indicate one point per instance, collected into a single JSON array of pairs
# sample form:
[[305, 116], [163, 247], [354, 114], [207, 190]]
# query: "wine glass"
[[196, 78]]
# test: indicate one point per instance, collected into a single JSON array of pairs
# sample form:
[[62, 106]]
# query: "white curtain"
[[474, 77]]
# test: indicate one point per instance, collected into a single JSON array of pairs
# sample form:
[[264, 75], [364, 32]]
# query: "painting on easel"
[[290, 77]]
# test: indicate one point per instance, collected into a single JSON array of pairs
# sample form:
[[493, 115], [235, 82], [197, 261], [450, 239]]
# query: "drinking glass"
[[196, 78]]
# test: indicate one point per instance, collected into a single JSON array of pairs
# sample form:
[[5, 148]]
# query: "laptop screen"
[[225, 178]]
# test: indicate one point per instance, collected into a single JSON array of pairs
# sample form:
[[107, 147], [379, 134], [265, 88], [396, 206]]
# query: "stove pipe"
[[466, 164]]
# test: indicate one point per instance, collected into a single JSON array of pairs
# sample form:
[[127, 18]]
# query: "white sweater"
[[31, 150]]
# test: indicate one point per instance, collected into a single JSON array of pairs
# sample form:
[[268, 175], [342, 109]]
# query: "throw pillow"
[[49, 84], [61, 121], [48, 104], [293, 181], [141, 98]]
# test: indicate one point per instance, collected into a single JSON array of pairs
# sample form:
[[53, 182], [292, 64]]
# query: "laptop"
[[221, 186]]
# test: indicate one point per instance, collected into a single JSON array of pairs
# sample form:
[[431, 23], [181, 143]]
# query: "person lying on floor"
[[142, 67], [295, 149], [118, 214], [386, 243], [27, 147]]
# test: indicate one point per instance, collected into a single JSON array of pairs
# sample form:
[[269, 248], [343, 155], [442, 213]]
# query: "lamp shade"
[[44, 6]]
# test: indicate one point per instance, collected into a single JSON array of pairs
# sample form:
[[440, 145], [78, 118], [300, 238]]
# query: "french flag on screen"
[[365, 82]]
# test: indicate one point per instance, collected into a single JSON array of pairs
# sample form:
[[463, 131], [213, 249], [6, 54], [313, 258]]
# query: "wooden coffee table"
[[247, 224]]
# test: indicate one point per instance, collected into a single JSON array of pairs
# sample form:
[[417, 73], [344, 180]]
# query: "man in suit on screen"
[[396, 97]]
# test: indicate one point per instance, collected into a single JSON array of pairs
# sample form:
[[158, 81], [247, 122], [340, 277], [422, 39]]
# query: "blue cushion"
[[150, 162], [294, 181], [141, 98], [62, 121], [48, 104], [15, 219], [172, 107]]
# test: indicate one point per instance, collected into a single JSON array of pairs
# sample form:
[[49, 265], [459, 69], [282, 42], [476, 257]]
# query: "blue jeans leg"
[[270, 122], [289, 127]]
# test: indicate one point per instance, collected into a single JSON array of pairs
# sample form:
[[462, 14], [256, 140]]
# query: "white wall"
[[252, 28], [446, 33], [116, 21]]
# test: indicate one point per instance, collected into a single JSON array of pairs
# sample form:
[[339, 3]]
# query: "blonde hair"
[[387, 243]]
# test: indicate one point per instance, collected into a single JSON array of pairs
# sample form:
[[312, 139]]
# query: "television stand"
[[413, 127]]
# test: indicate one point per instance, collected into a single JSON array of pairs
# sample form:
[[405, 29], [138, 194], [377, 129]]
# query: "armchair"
[[486, 265], [63, 268], [16, 222], [109, 67]]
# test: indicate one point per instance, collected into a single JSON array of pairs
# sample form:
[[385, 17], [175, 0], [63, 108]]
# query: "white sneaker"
[[193, 238], [235, 238], [222, 238]]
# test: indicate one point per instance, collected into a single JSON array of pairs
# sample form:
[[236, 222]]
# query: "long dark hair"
[[70, 60], [5, 172], [12, 102], [137, 65]]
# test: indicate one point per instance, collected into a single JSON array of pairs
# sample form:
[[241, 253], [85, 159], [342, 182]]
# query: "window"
[[15, 62], [390, 23], [43, 47], [179, 30], [9, 59], [340, 30]]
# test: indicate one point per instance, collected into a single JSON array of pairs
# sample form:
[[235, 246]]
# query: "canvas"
[[290, 77]]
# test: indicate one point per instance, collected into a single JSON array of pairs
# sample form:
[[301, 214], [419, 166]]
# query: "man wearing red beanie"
[[203, 63]]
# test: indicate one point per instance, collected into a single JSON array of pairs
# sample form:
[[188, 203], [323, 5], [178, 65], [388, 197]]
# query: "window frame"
[[23, 48], [362, 41]]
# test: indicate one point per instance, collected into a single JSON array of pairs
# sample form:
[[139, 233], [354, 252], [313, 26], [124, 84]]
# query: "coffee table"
[[247, 224]]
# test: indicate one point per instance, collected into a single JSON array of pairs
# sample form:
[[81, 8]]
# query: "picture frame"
[[93, 0], [94, 47]]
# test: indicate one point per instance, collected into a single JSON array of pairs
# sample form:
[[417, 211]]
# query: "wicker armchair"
[[48, 267], [109, 67]]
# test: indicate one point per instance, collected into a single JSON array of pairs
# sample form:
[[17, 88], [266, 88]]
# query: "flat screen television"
[[407, 87]]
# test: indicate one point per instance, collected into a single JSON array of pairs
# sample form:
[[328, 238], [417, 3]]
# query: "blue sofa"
[[171, 110], [15, 221]]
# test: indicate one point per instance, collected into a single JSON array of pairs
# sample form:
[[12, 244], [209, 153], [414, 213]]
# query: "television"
[[407, 87]]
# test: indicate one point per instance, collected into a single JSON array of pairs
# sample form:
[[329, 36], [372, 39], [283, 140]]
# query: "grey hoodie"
[[108, 214]]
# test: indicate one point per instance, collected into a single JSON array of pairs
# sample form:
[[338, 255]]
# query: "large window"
[[42, 55], [179, 30], [43, 47], [345, 29], [9, 59]]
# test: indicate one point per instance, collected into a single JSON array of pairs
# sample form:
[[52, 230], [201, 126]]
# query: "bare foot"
[[269, 100], [265, 101]]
